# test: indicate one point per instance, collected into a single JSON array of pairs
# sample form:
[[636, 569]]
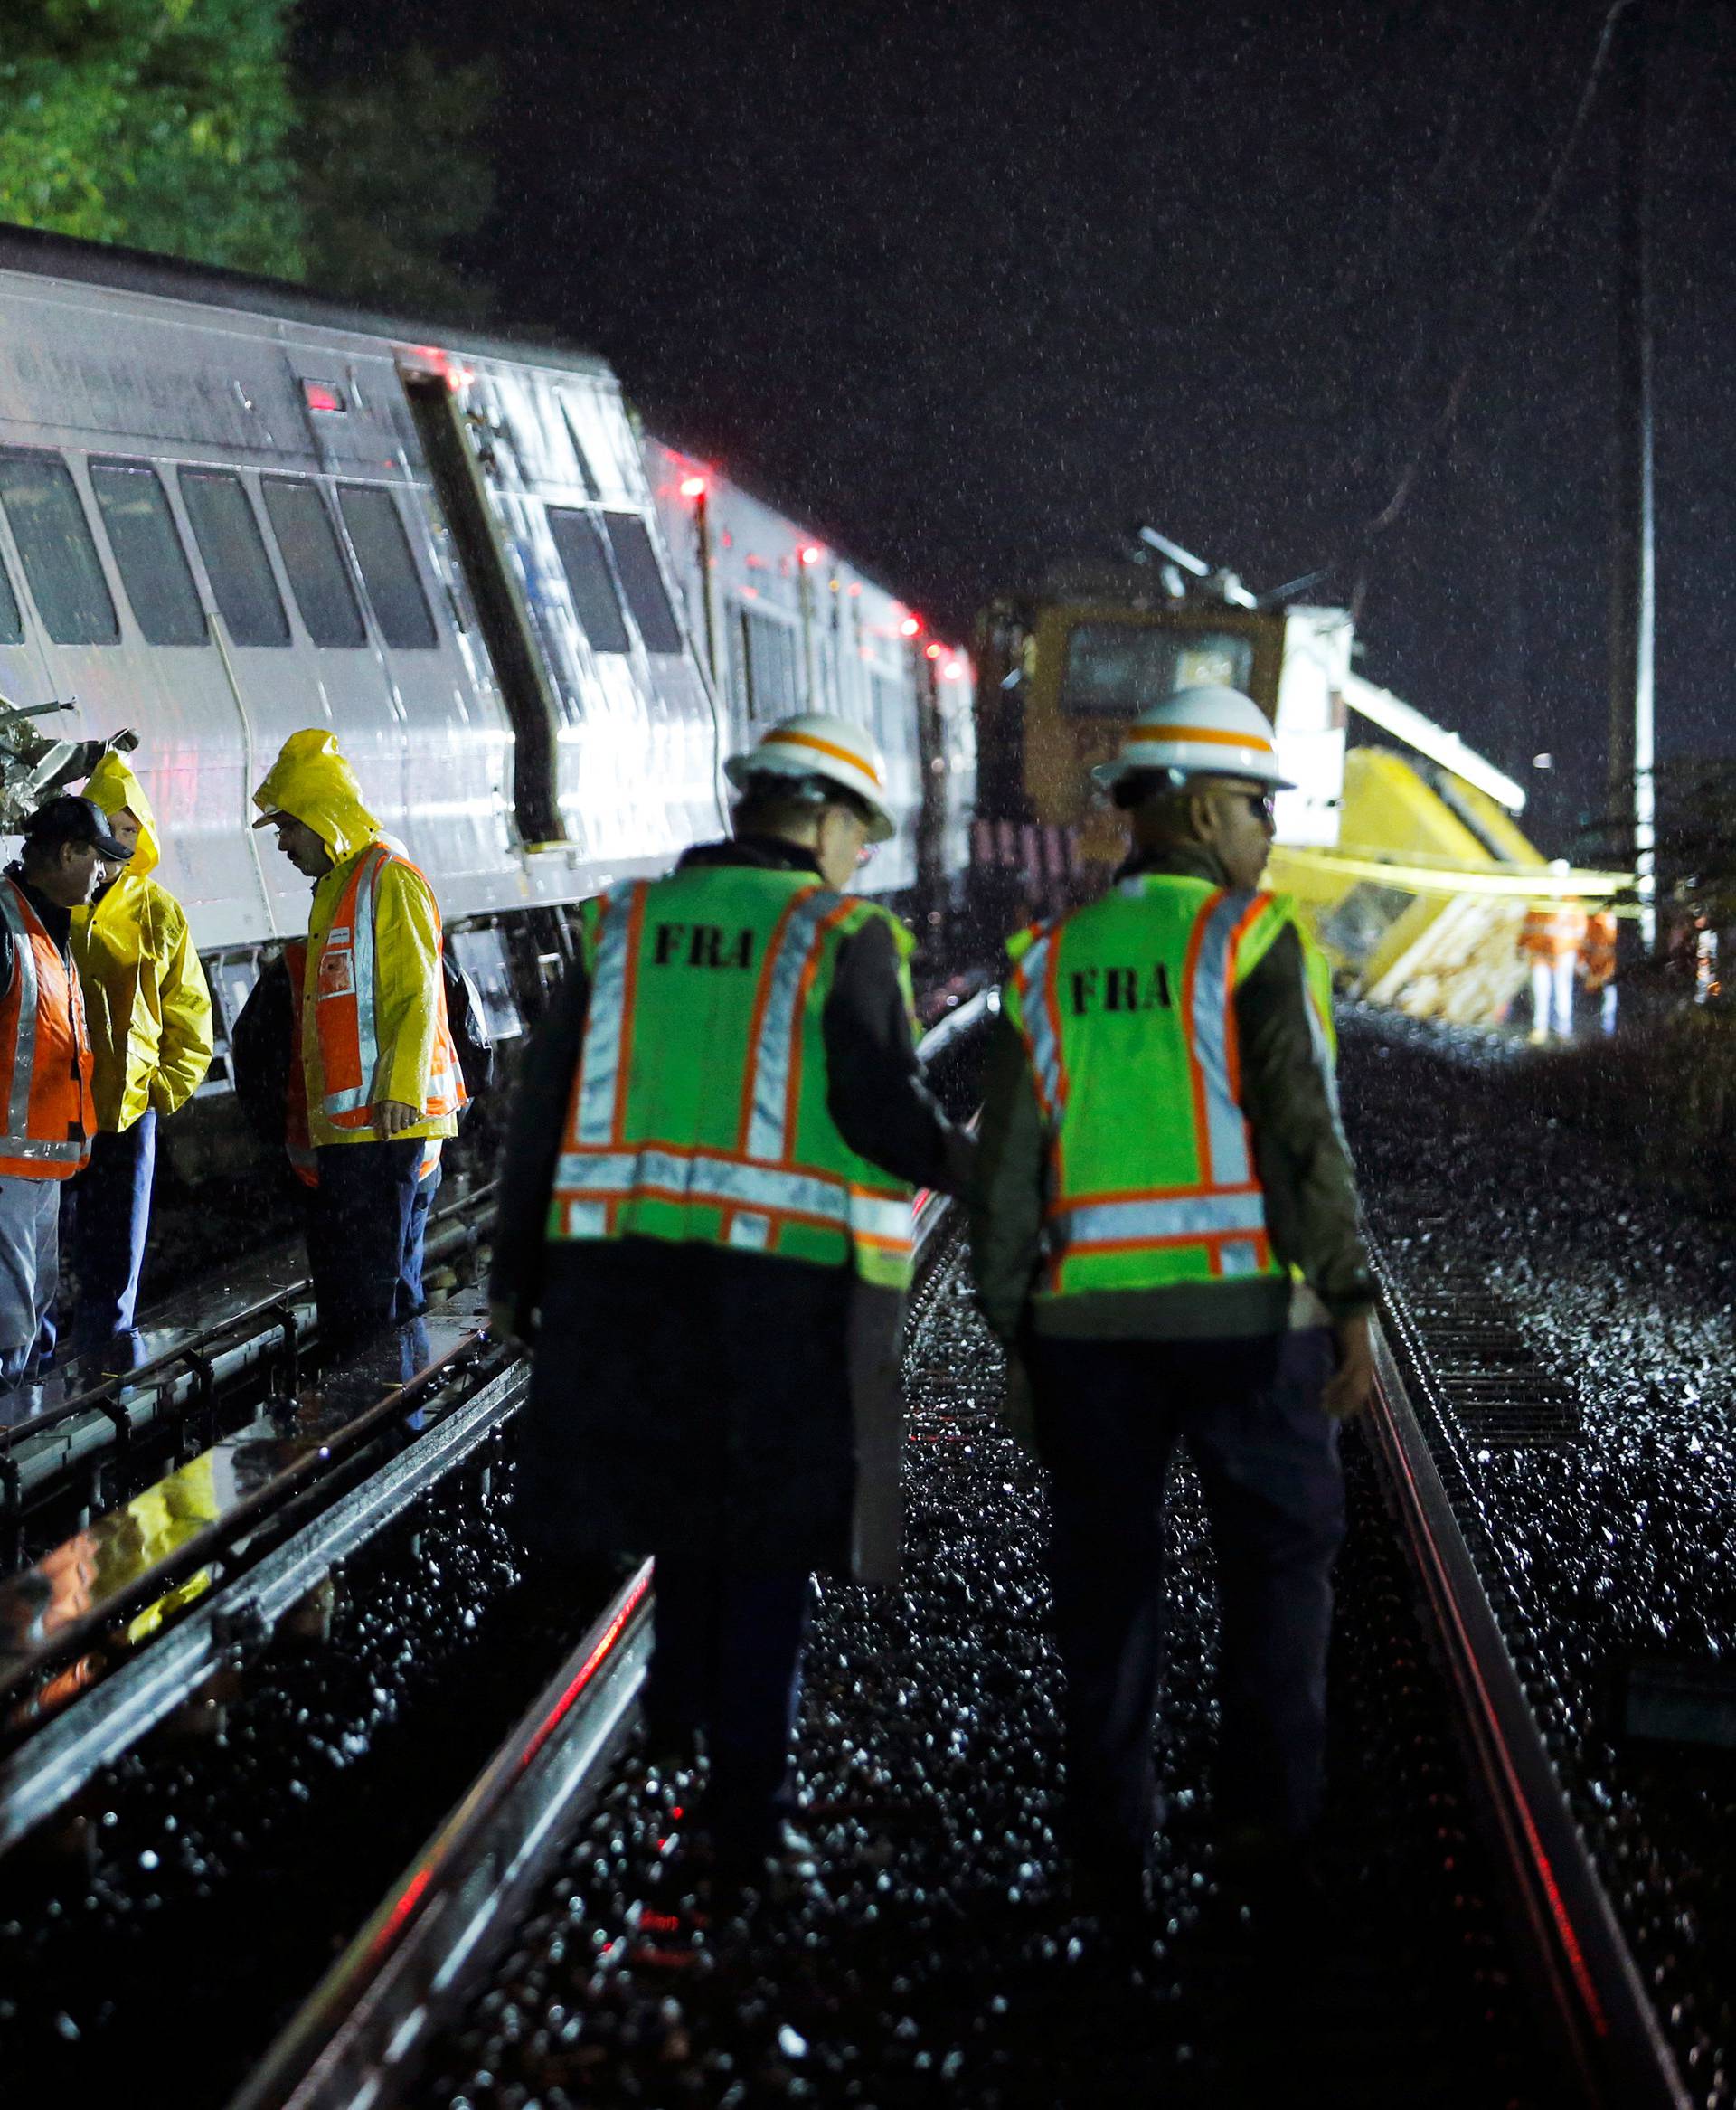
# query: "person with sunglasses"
[[1165, 1234]]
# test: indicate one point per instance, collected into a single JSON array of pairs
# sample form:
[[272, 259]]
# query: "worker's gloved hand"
[[1348, 1387], [124, 742], [1018, 1414], [391, 1117]]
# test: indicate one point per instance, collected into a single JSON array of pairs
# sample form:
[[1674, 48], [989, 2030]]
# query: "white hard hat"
[[1207, 731], [817, 744]]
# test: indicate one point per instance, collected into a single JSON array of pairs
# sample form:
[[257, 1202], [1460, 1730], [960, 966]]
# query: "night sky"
[[976, 286]]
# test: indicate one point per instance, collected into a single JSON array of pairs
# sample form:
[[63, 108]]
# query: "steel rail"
[[234, 1536], [358, 2041], [1584, 1975], [194, 1376], [65, 1749]]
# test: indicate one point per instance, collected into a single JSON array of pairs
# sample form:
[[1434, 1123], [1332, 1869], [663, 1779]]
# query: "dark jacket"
[[1300, 1155], [689, 1395]]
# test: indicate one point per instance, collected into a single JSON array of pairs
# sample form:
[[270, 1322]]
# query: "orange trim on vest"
[[45, 1061]]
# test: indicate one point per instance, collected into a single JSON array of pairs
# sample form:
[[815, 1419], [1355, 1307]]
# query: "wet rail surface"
[[1573, 1334], [939, 1959]]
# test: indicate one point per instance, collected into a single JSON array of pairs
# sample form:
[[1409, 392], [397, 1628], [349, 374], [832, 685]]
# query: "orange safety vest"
[[44, 1053], [345, 1013], [298, 1144], [1554, 930], [1598, 956]]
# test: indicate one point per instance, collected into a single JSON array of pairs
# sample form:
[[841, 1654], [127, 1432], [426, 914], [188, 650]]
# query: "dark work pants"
[[111, 1215], [366, 1221], [1108, 1415], [727, 1659]]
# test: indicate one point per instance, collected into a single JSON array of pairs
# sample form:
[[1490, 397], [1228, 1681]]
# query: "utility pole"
[[1633, 580]]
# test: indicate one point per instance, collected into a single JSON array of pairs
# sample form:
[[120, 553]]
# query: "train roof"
[[40, 254]]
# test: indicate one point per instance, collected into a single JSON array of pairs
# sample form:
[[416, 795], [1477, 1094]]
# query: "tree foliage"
[[162, 124], [394, 174], [196, 128]]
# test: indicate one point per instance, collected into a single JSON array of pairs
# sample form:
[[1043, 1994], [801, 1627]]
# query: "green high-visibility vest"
[[699, 1107], [1127, 1009]]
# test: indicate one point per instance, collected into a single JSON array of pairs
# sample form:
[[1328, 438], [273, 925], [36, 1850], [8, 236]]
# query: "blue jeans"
[[1109, 1415], [367, 1221], [30, 1272], [111, 1216]]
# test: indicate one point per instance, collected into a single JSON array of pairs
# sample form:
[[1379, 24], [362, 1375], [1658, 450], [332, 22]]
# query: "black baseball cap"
[[70, 819]]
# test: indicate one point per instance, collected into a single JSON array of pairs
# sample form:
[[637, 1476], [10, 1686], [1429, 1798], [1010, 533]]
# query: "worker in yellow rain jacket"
[[383, 1086], [1164, 1233], [148, 1007]]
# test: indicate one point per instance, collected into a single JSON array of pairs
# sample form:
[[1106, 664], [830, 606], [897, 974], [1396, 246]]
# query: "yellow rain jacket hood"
[[311, 782], [146, 998]]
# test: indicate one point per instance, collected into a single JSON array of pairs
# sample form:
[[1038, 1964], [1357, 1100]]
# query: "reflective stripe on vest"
[[42, 1110], [758, 1186], [346, 1012]]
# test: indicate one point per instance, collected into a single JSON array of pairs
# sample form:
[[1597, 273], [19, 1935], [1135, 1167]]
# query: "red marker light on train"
[[812, 552], [320, 395], [911, 627], [692, 487], [954, 670], [931, 652]]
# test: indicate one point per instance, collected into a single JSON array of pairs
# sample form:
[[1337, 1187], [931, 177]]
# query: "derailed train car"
[[229, 509]]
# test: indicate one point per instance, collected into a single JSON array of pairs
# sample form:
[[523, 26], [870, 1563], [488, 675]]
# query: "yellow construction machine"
[[1403, 850]]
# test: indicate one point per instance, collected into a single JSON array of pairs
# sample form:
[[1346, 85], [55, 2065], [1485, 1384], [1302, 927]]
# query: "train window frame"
[[216, 555], [608, 607], [312, 620], [385, 593], [768, 709], [643, 586], [50, 608], [1071, 701], [11, 629], [150, 607]]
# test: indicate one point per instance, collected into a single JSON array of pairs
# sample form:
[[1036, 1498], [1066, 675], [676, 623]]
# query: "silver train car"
[[229, 509], [785, 623]]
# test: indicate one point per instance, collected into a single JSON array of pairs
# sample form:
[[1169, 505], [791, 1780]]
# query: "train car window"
[[893, 706], [54, 538], [770, 666], [12, 624], [642, 582], [1114, 667], [388, 569], [227, 535], [585, 562], [319, 574], [147, 543]]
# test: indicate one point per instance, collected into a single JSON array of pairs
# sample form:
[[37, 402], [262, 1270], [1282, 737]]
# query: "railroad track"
[[411, 1972], [85, 1433]]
